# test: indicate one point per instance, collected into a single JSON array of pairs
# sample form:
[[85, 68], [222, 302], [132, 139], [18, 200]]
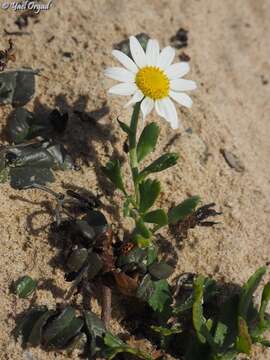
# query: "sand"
[[229, 49]]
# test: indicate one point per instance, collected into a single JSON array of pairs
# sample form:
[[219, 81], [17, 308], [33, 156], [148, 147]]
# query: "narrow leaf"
[[247, 291], [162, 163], [244, 342], [197, 309], [124, 127], [264, 301]]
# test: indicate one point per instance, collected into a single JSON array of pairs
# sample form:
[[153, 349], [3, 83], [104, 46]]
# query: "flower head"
[[151, 77]]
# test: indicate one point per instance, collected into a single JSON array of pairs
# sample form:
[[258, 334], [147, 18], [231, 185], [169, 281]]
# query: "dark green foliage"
[[17, 87], [235, 326], [158, 217], [156, 293], [162, 163], [113, 171], [185, 208], [149, 192], [147, 141], [31, 162], [25, 286]]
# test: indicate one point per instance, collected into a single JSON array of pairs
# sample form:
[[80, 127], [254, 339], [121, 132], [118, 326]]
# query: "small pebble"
[[233, 161]]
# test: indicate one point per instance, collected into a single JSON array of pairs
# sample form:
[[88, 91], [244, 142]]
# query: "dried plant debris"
[[124, 45], [184, 56], [233, 161], [185, 216], [7, 55], [180, 39], [17, 87]]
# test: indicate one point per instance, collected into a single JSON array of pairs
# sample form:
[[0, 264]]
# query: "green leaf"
[[264, 301], [95, 329], [141, 241], [124, 127], [35, 337], [158, 216], [58, 325], [161, 295], [63, 337], [117, 346], [164, 331], [25, 286], [197, 309], [113, 171], [162, 163], [126, 208], [247, 292], [244, 342], [146, 288], [160, 270], [210, 290], [147, 141], [26, 325], [185, 208], [149, 192]]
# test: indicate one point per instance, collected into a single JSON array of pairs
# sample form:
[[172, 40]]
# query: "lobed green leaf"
[[185, 208], [158, 217], [113, 171]]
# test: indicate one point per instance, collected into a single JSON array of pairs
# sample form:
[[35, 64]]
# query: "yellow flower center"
[[153, 82]]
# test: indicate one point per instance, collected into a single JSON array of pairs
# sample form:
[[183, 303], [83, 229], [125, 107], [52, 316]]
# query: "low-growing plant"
[[191, 321]]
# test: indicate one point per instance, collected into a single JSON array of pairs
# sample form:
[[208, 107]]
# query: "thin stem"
[[106, 306], [133, 147]]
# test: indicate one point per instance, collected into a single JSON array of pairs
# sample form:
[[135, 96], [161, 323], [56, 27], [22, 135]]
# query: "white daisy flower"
[[152, 78]]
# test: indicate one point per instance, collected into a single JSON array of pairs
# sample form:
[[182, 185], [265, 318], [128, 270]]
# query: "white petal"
[[177, 70], [181, 98], [165, 108], [120, 74], [124, 89], [166, 57], [182, 85], [125, 60], [138, 96], [152, 52], [159, 108], [147, 106], [137, 52]]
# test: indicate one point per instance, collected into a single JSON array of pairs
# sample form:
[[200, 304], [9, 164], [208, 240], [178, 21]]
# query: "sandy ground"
[[229, 49]]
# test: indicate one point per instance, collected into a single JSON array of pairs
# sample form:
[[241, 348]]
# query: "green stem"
[[133, 148]]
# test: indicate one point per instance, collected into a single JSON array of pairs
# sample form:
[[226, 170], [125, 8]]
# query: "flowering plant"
[[152, 80]]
